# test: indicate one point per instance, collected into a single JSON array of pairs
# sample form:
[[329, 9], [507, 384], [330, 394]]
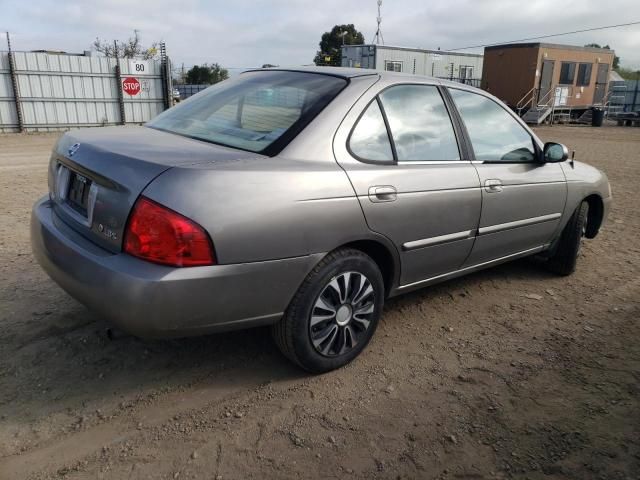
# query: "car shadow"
[[80, 367], [522, 269]]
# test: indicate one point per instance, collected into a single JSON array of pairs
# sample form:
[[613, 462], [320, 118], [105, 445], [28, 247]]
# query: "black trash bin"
[[597, 117]]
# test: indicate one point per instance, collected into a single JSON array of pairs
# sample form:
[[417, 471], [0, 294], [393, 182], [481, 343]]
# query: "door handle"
[[492, 185], [383, 193]]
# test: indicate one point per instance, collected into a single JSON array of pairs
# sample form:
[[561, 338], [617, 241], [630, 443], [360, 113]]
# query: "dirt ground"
[[507, 373]]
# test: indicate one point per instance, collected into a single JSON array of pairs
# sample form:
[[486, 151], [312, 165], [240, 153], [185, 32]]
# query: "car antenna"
[[573, 157]]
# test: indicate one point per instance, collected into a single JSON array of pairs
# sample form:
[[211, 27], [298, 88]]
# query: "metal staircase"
[[536, 110], [527, 101], [553, 107], [537, 114], [614, 101], [586, 117]]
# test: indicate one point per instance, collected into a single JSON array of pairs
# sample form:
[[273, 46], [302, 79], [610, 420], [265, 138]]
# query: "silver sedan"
[[302, 199]]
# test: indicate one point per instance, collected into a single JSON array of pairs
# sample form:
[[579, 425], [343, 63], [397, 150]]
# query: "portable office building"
[[463, 67], [532, 75]]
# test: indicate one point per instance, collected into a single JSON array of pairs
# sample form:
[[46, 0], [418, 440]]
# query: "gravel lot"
[[507, 373]]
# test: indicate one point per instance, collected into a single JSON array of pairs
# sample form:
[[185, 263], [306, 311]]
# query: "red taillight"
[[160, 235]]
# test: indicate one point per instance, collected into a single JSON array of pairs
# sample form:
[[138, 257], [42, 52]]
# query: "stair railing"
[[549, 98], [612, 103], [553, 103], [528, 100]]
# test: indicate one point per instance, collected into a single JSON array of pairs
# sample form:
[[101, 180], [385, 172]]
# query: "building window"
[[567, 73], [584, 74], [465, 72], [390, 66]]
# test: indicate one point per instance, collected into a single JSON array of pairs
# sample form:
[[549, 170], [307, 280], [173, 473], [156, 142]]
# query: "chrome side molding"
[[518, 223], [428, 242], [469, 269]]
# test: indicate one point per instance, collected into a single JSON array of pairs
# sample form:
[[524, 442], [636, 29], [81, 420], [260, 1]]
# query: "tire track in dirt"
[[64, 450]]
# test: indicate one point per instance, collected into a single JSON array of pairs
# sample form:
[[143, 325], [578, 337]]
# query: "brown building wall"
[[509, 72]]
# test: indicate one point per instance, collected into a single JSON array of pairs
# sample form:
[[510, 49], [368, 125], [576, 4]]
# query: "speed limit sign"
[[139, 67]]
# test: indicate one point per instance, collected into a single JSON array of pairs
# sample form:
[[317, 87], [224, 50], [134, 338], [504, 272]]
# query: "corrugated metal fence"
[[626, 94], [189, 89], [68, 91]]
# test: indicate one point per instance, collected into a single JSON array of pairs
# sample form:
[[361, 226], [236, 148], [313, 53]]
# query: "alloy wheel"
[[342, 314]]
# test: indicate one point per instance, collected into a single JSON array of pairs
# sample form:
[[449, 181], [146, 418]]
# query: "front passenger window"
[[495, 135]]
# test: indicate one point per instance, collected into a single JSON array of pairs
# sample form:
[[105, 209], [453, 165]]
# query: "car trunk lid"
[[96, 175]]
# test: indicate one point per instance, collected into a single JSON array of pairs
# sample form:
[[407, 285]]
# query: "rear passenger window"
[[420, 124], [495, 135], [369, 139]]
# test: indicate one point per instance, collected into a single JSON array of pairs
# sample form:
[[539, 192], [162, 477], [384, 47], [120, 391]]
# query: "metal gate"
[[44, 91]]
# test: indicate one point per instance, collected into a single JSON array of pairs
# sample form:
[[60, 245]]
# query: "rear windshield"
[[256, 111]]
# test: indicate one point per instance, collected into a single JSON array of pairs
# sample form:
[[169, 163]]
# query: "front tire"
[[334, 313], [563, 261]]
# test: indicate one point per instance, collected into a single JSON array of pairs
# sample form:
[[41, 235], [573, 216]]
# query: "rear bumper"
[[150, 300]]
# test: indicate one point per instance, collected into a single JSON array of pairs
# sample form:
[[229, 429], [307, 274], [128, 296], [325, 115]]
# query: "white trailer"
[[463, 67]]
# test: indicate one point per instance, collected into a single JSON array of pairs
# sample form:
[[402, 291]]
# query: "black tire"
[[293, 333], [563, 261]]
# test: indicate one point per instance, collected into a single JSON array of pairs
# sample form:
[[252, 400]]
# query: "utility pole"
[[165, 68], [118, 70], [635, 92], [14, 84], [377, 38]]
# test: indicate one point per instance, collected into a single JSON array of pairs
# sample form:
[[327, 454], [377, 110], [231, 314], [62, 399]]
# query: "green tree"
[[330, 43], [628, 73], [206, 74], [616, 59]]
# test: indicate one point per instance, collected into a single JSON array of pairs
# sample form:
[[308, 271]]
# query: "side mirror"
[[554, 152]]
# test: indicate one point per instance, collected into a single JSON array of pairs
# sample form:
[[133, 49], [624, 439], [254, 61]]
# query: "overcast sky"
[[243, 33]]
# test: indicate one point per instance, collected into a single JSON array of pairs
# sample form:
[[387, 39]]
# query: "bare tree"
[[131, 48]]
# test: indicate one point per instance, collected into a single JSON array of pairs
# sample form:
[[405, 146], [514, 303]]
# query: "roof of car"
[[333, 71], [344, 72]]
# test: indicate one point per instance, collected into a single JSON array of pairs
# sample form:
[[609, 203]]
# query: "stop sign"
[[131, 86]]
